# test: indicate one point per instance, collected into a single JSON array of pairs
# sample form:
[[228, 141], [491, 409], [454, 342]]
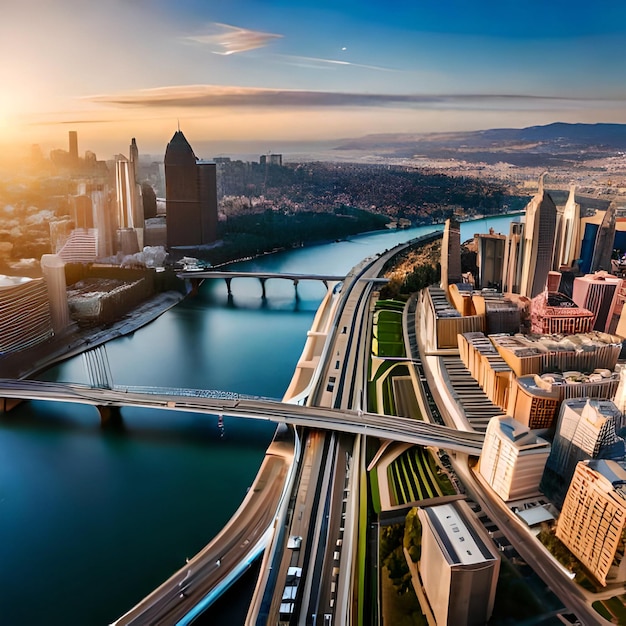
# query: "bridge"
[[217, 403], [197, 276]]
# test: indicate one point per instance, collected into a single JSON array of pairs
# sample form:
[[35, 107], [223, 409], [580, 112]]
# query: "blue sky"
[[271, 69]]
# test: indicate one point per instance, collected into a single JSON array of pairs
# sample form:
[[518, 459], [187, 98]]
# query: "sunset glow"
[[319, 70]]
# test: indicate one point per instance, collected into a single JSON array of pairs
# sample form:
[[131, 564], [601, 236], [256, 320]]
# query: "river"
[[91, 521]]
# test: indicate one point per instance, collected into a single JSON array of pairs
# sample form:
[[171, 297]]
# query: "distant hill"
[[553, 144]]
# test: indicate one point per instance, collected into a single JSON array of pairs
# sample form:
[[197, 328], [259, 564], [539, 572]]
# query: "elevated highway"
[[344, 420]]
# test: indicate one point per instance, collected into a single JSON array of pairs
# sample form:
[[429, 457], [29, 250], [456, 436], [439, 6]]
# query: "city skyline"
[[276, 71]]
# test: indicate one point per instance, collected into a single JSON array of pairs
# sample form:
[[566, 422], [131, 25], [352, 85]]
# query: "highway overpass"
[[344, 420]]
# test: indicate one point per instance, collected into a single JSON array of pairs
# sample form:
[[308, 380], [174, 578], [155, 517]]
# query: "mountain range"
[[554, 144]]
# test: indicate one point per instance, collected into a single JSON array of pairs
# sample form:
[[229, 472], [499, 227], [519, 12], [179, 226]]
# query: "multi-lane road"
[[346, 420]]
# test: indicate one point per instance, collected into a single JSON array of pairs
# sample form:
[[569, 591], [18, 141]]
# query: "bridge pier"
[[263, 288], [8, 404], [110, 416], [195, 285], [295, 286]]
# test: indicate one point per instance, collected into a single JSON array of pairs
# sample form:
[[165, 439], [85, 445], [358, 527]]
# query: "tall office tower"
[[129, 207], [133, 154], [73, 135], [451, 254], [593, 519], [586, 429], [459, 565], [53, 269], [82, 211], [603, 249], [568, 249], [512, 459], [599, 294], [559, 231], [513, 256], [490, 259], [104, 220], [538, 242], [191, 195]]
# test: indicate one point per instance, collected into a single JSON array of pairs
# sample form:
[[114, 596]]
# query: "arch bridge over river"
[[196, 277]]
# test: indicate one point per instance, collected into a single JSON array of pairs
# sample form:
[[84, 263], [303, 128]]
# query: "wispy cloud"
[[225, 39], [232, 96], [316, 62]]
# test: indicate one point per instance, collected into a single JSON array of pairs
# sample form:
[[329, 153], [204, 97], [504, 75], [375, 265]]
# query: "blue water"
[[91, 521]]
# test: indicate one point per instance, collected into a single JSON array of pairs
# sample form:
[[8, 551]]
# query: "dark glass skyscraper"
[[191, 195]]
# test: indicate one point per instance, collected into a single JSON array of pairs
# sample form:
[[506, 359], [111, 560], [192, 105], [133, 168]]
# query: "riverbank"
[[76, 340]]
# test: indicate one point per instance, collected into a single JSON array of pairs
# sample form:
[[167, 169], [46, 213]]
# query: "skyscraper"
[[605, 237], [53, 269], [566, 246], [490, 259], [587, 429], [73, 137], [513, 258], [593, 518], [451, 254], [191, 195], [538, 242]]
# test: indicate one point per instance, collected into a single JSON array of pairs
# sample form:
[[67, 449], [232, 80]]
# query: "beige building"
[[459, 565], [593, 517], [513, 458], [24, 313]]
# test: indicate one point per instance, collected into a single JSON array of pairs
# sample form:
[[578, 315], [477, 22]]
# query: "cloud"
[[231, 96], [225, 39], [316, 62]]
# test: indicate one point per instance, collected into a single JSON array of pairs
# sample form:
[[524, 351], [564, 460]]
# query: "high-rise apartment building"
[[586, 429], [539, 234], [599, 294], [191, 195], [513, 458], [593, 518], [459, 565]]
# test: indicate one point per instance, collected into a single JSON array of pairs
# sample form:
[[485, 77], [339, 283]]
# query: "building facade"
[[191, 195], [25, 318], [539, 234], [459, 565], [513, 459], [593, 518], [586, 429]]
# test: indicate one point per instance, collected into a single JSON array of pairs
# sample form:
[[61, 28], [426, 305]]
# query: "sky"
[[271, 72]]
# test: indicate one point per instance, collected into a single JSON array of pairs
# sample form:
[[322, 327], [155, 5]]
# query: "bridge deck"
[[259, 275], [358, 422]]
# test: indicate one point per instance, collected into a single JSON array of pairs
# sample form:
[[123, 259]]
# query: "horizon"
[[275, 72]]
